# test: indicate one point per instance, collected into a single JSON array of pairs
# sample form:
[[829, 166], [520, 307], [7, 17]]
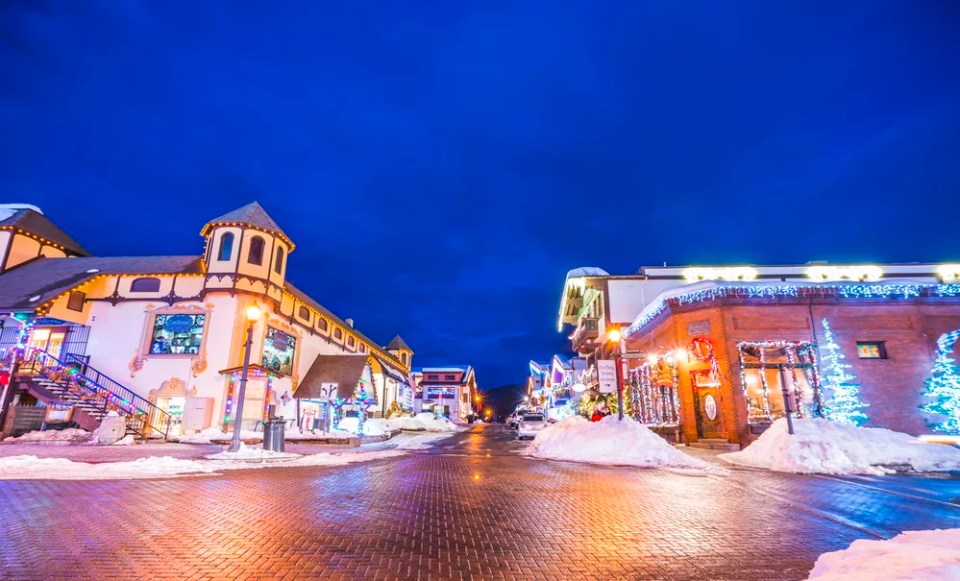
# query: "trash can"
[[273, 434]]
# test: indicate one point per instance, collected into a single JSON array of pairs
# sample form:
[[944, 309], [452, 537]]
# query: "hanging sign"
[[328, 390], [607, 375]]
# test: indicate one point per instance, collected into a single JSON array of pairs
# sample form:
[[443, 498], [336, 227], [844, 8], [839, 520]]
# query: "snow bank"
[[422, 422], [125, 441], [207, 436], [916, 555], [376, 427], [33, 468], [823, 447], [334, 435], [609, 441], [67, 435]]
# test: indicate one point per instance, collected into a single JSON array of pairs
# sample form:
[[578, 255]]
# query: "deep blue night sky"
[[442, 165]]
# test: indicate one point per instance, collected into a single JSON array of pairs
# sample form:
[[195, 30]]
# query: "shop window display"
[[278, 351], [178, 334]]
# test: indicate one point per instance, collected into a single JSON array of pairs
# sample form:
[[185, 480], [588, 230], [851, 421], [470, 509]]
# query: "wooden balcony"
[[584, 338]]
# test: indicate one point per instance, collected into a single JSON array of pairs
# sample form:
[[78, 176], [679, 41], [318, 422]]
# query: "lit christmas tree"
[[841, 396], [943, 388]]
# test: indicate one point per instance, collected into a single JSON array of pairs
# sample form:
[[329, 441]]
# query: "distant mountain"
[[503, 399]]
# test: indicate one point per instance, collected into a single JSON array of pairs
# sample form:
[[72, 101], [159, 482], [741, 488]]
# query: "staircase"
[[73, 382]]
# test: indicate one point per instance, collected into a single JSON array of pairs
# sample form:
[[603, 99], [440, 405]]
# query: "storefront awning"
[[331, 377]]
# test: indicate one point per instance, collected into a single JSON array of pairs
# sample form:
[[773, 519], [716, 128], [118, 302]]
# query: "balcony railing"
[[583, 337]]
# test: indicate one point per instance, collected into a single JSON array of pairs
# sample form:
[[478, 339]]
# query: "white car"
[[530, 425]]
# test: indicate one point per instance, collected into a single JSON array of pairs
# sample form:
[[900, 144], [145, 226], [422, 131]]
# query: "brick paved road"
[[468, 508]]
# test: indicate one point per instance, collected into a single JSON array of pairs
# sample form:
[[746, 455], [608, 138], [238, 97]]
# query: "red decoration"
[[701, 349]]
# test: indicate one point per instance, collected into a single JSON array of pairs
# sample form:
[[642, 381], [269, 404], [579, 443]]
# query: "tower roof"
[[397, 344], [253, 215]]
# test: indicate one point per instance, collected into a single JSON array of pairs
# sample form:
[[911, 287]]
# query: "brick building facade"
[[702, 350]]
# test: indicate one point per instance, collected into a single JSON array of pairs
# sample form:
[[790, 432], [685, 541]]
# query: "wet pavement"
[[470, 507]]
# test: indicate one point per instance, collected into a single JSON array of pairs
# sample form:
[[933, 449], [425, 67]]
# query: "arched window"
[[226, 246], [278, 263], [145, 285], [304, 313], [255, 254]]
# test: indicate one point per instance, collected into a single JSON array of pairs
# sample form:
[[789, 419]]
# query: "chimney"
[[349, 321]]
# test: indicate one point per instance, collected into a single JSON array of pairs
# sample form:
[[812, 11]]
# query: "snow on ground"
[[610, 441], [823, 447], [33, 468], [67, 435], [376, 427], [127, 440], [206, 436], [422, 422], [251, 453], [915, 555], [420, 441], [334, 435]]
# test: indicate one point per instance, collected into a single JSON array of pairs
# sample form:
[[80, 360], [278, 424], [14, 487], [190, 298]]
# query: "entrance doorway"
[[706, 393], [49, 339]]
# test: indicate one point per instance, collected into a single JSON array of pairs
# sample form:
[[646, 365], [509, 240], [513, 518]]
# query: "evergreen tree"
[[841, 396], [943, 388]]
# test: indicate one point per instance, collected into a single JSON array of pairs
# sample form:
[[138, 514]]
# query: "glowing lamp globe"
[[614, 335], [579, 387], [253, 313]]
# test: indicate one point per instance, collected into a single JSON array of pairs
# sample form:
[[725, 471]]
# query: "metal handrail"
[[144, 414]]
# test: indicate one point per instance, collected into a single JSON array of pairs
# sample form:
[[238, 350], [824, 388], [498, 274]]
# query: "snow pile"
[[422, 422], [916, 555], [252, 453], [823, 447], [33, 468], [376, 427], [125, 441], [74, 435], [609, 441]]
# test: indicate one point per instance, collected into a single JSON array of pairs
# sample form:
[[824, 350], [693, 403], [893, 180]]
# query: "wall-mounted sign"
[[607, 375], [178, 323], [695, 328], [58, 413]]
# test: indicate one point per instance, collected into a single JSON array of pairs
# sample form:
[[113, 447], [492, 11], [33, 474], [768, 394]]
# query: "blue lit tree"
[[943, 388], [841, 396]]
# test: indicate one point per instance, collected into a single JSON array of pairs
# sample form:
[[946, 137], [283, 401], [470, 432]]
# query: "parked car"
[[530, 425], [513, 420]]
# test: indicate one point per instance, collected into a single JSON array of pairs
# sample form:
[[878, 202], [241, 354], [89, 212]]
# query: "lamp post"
[[614, 336], [253, 315]]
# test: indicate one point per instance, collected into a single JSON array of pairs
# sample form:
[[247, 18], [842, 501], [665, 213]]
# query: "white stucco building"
[[171, 329]]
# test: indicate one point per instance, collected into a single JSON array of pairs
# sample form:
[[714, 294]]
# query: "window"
[[449, 377], [337, 333], [226, 246], [278, 262], [145, 285], [433, 377], [303, 313], [178, 334], [403, 358], [321, 324], [278, 350], [75, 300], [871, 350], [350, 342], [255, 254], [363, 348]]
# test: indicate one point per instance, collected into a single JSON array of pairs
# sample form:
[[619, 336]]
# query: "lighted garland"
[[802, 347], [811, 290]]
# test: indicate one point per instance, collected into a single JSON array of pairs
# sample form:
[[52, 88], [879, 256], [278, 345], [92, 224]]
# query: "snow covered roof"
[[586, 271], [48, 277], [30, 219], [714, 289]]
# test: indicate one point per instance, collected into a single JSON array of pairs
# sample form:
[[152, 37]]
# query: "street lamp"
[[253, 315], [615, 336]]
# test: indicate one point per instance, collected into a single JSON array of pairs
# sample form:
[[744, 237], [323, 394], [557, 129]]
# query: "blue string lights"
[[943, 388]]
